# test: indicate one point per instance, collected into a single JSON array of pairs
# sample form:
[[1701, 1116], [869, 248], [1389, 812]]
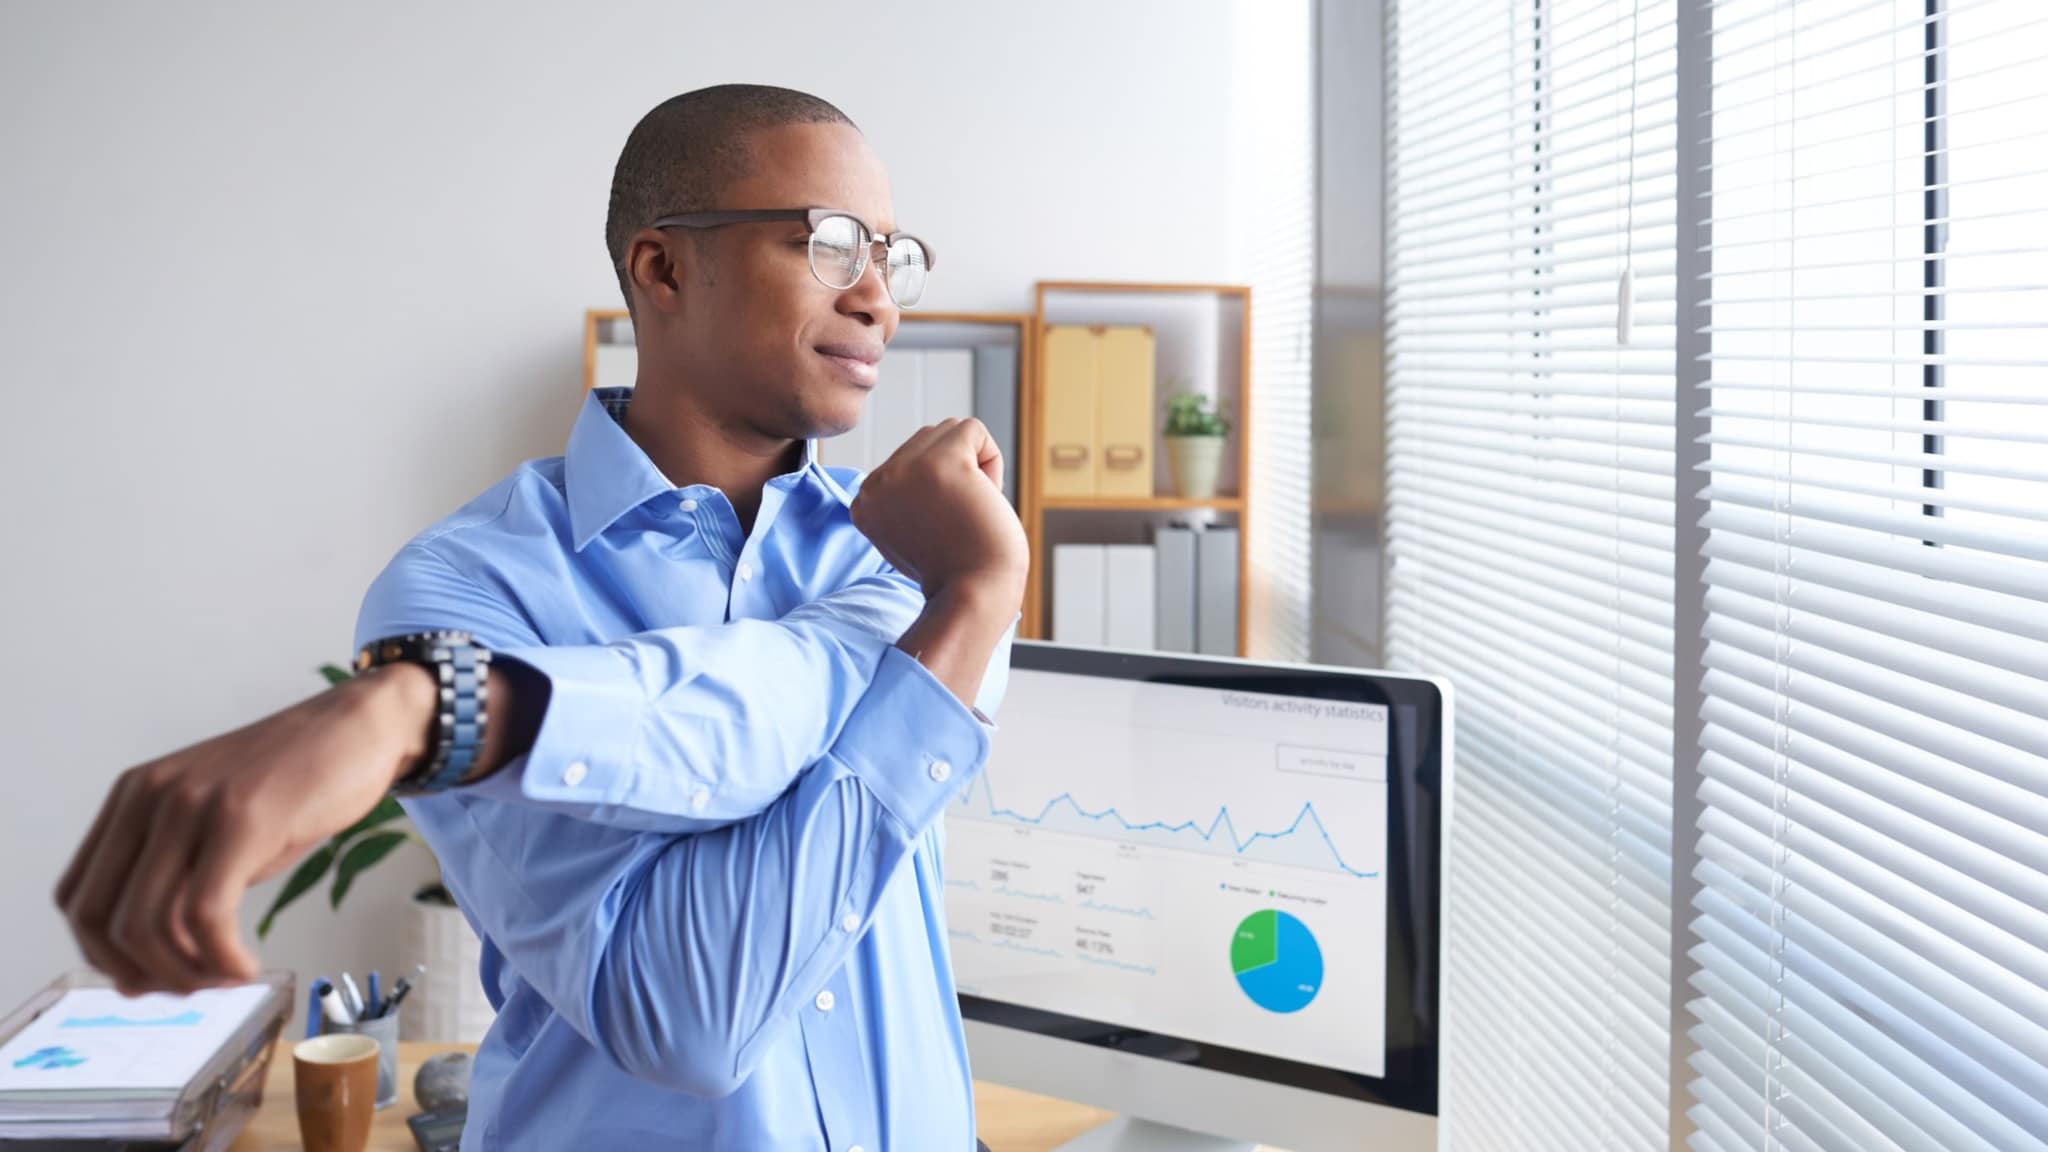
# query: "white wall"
[[282, 283]]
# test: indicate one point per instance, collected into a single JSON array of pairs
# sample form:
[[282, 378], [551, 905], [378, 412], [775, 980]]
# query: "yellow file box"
[[1124, 421], [1099, 397], [1073, 378]]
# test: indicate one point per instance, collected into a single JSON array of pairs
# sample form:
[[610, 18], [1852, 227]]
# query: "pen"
[[313, 1007], [354, 995], [399, 988], [375, 1006], [334, 1006]]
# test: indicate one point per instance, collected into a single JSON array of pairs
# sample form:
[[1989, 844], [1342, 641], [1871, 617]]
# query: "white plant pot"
[[1195, 462], [447, 1006]]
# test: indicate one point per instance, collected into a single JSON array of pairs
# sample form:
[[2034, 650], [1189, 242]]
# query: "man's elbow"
[[689, 1074], [679, 1060], [651, 1034]]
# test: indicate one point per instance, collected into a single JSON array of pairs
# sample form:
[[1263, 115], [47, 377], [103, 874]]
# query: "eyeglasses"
[[840, 247]]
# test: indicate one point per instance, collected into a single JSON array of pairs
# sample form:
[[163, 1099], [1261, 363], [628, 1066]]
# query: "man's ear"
[[654, 266]]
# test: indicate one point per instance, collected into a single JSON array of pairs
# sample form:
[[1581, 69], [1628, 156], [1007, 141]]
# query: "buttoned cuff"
[[584, 752], [911, 742]]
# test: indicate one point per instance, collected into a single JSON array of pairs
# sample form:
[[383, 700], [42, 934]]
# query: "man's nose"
[[869, 297]]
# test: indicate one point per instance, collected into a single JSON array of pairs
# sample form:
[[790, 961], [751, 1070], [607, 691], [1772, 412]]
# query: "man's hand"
[[935, 510], [152, 893]]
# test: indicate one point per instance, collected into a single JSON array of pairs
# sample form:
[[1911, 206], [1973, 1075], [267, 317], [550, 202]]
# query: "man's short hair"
[[684, 153]]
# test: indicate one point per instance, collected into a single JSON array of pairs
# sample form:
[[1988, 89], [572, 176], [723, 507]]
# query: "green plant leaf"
[[308, 874], [359, 857], [1188, 414], [336, 674], [385, 812]]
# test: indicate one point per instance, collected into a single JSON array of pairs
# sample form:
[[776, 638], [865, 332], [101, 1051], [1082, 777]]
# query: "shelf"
[[1202, 337], [1155, 504]]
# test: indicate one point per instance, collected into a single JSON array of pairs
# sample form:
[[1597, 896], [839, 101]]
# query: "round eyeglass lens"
[[838, 251], [908, 268]]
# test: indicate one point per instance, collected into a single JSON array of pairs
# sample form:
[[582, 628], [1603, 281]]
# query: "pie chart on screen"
[[1277, 961]]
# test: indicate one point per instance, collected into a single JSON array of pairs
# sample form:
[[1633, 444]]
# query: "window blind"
[[1870, 929], [1531, 162], [1273, 249]]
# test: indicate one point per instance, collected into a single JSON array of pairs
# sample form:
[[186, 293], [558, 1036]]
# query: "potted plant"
[[1194, 444], [449, 1005]]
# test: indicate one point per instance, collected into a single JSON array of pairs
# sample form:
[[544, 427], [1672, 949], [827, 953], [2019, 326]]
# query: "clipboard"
[[204, 1116]]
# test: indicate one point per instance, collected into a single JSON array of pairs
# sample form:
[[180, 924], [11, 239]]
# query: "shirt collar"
[[607, 475]]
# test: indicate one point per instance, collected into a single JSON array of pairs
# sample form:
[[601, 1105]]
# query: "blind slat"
[[1948, 1093], [1529, 533]]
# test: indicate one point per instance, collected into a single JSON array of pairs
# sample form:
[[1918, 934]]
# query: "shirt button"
[[574, 773], [746, 570], [688, 505], [700, 799], [941, 771], [825, 1001], [856, 1148], [849, 922]]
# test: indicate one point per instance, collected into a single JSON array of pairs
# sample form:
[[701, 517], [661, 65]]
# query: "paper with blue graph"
[[1200, 863], [96, 1040]]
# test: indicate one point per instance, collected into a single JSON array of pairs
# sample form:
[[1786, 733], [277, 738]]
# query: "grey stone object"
[[443, 1082]]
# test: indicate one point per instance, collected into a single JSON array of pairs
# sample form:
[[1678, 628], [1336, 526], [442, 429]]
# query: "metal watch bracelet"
[[461, 669]]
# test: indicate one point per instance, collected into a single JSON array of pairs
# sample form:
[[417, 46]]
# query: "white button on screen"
[[849, 923], [699, 799], [746, 570], [574, 773], [941, 771], [825, 1001], [688, 504]]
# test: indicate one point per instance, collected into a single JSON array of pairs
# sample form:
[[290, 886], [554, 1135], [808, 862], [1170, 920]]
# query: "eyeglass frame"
[[811, 217]]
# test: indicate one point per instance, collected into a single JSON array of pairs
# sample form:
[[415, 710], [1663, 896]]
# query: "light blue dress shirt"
[[710, 895]]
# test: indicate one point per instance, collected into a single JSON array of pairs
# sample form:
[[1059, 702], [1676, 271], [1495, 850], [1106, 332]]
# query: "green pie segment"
[[1257, 943], [1277, 961]]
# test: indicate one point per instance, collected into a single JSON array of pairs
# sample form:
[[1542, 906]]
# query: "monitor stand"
[[1125, 1134]]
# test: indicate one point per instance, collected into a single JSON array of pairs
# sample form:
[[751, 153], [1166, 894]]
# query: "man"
[[725, 699]]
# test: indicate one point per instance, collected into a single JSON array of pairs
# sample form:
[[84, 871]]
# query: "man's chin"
[[824, 421]]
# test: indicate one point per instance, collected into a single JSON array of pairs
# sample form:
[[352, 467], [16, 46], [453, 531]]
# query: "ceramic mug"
[[335, 1081]]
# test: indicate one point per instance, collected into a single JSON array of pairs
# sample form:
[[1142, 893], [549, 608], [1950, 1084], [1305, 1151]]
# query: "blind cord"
[[1625, 294]]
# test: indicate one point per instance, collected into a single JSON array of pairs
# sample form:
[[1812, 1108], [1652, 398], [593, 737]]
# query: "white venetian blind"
[[1871, 926], [1273, 249], [1530, 511]]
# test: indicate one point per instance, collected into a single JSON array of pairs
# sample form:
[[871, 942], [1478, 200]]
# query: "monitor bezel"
[[1412, 1080]]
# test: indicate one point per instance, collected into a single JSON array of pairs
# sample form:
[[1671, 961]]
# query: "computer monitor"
[[1204, 894]]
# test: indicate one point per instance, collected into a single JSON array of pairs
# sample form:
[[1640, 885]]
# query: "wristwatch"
[[462, 668]]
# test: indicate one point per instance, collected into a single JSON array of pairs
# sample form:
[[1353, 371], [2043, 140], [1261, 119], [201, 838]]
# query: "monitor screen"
[[1222, 864]]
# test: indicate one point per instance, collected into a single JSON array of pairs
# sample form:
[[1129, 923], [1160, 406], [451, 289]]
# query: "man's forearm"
[[953, 638], [958, 631]]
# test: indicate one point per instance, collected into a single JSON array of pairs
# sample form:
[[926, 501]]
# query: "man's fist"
[[153, 891], [935, 510]]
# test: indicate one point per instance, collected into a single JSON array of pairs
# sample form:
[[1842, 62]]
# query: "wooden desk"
[[1011, 1121]]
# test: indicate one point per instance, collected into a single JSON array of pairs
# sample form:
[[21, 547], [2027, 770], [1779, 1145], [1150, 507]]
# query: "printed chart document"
[[94, 1040]]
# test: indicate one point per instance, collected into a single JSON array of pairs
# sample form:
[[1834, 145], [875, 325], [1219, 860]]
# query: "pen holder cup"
[[384, 1030]]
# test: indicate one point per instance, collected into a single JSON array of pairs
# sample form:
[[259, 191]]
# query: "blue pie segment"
[[1277, 961]]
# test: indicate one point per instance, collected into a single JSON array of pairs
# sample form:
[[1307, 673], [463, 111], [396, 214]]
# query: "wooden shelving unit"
[[1034, 504]]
